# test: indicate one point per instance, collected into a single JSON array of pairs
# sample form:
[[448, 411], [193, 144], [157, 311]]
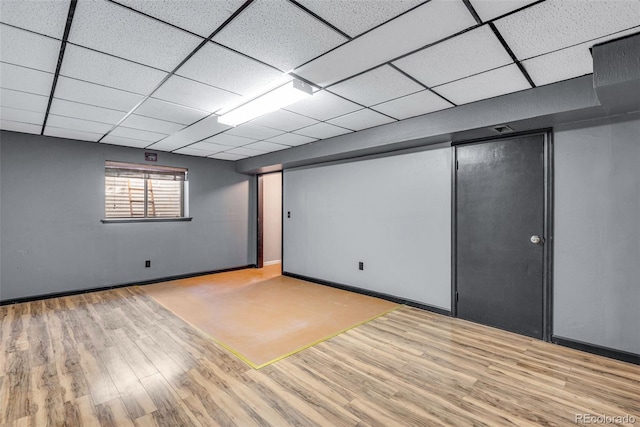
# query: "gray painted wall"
[[392, 213], [272, 218], [597, 233], [0, 213], [53, 199]]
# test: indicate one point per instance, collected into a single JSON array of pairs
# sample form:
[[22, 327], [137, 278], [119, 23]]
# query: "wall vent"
[[502, 129]]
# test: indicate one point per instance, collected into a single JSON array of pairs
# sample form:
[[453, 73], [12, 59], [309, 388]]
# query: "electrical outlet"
[[147, 264], [361, 265]]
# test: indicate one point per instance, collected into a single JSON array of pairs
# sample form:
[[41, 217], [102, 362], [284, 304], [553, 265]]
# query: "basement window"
[[143, 193]]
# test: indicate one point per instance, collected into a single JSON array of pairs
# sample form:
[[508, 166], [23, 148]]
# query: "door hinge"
[[457, 165], [457, 297]]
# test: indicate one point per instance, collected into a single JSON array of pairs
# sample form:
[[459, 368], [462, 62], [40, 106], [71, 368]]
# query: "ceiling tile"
[[560, 65], [198, 16], [153, 125], [413, 105], [197, 131], [193, 94], [72, 134], [25, 79], [284, 120], [113, 29], [555, 24], [20, 47], [44, 17], [266, 146], [77, 124], [488, 10], [188, 151], [424, 25], [567, 63], [362, 119], [23, 100], [245, 151], [92, 94], [137, 134], [220, 67], [228, 156], [376, 86], [229, 140], [356, 17], [95, 67], [22, 116], [485, 85], [249, 130], [208, 147], [169, 111], [278, 33], [126, 142], [322, 131], [323, 106], [20, 127], [470, 53], [291, 139], [61, 107]]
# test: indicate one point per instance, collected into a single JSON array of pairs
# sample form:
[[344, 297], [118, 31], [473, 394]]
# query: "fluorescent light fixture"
[[290, 92]]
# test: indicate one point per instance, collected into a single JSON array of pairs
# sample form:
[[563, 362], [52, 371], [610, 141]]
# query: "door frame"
[[547, 275], [260, 219]]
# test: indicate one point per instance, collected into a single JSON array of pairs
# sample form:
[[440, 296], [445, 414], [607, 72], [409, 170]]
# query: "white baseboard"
[[272, 262]]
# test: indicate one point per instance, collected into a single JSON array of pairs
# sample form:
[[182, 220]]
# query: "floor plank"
[[113, 414], [171, 410], [100, 384], [81, 412]]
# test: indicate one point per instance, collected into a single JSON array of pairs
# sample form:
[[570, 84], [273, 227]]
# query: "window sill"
[[130, 220]]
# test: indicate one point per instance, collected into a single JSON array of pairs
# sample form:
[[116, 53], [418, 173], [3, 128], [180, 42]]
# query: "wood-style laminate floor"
[[117, 358]]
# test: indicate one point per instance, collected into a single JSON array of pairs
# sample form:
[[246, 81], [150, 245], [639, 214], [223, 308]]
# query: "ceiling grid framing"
[[131, 9], [350, 100], [324, 21], [171, 73], [390, 62], [63, 46], [31, 31], [511, 54], [420, 83], [177, 27], [359, 35], [149, 115]]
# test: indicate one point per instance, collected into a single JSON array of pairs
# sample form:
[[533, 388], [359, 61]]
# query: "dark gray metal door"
[[500, 214]]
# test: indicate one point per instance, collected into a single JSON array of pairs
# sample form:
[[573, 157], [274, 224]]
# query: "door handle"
[[536, 240]]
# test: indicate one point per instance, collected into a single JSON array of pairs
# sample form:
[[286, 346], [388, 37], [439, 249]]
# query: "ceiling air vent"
[[502, 129]]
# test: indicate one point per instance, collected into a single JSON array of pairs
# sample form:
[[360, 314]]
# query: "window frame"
[[148, 169]]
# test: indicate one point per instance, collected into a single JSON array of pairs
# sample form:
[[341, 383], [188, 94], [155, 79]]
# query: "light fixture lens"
[[282, 96]]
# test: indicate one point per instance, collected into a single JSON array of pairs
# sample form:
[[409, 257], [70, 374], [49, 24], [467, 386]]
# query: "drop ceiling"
[[153, 74]]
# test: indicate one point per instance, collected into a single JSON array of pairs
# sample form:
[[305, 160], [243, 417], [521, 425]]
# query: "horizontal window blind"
[[140, 191], [164, 198], [124, 197]]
